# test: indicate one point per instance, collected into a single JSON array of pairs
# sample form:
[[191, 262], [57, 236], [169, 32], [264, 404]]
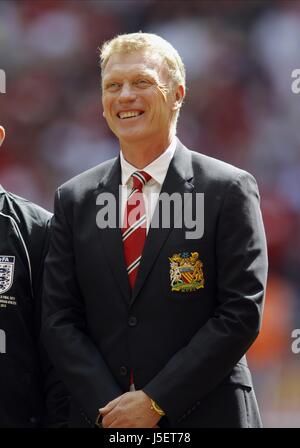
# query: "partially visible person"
[[30, 393]]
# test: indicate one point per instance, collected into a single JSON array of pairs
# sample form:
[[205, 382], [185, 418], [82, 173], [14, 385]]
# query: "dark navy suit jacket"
[[186, 349]]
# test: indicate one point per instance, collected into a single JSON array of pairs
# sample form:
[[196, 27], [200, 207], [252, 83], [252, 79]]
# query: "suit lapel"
[[179, 174], [111, 237]]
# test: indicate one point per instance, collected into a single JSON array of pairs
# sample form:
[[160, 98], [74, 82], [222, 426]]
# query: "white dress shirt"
[[157, 170]]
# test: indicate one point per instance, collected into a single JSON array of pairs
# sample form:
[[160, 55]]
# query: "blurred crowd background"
[[239, 56]]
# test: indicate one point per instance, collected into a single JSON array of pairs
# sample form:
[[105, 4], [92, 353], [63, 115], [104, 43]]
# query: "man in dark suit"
[[149, 324], [31, 395]]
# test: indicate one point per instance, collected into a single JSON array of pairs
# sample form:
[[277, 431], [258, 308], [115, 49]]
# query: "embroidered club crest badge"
[[7, 265], [186, 274]]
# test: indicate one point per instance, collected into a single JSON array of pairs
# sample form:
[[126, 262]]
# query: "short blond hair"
[[128, 43]]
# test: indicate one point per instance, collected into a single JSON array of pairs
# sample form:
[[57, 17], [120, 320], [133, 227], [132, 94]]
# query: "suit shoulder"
[[26, 210], [217, 170], [87, 180]]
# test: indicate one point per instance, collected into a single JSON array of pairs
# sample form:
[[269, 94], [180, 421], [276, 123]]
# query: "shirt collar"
[[157, 169]]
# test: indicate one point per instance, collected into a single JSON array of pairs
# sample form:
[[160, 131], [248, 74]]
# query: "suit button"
[[132, 321], [123, 370]]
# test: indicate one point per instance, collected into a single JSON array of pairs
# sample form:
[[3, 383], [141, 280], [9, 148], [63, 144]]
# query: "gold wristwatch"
[[157, 408]]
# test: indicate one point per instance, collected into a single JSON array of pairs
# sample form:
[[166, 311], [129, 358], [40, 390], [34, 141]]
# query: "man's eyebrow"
[[150, 74], [119, 74]]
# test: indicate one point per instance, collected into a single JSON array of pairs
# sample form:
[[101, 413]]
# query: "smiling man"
[[30, 393], [147, 326]]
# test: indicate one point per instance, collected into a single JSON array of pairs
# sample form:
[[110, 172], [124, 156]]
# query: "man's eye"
[[142, 83], [113, 86]]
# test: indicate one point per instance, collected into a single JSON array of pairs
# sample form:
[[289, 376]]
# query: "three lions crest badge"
[[7, 265]]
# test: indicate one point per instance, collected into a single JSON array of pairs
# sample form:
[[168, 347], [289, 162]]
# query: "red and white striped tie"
[[134, 226]]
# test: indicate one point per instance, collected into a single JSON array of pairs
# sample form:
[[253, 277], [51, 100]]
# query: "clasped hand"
[[130, 410]]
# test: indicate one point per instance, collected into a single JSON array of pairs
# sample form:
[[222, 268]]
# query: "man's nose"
[[127, 92]]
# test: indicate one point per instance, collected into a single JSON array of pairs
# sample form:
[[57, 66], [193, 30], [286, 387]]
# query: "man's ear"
[[2, 135], [179, 96]]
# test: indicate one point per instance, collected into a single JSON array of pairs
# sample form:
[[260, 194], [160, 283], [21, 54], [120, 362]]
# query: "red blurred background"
[[239, 56]]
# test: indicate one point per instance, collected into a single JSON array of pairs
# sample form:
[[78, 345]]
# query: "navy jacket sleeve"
[[56, 396]]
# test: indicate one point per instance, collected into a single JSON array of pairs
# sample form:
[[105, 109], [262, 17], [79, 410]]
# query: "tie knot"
[[140, 178]]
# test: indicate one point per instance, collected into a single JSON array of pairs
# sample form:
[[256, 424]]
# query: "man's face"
[[2, 135], [137, 97]]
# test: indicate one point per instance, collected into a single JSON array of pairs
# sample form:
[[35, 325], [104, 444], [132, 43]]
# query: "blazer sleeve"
[[74, 355], [56, 396], [216, 348]]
